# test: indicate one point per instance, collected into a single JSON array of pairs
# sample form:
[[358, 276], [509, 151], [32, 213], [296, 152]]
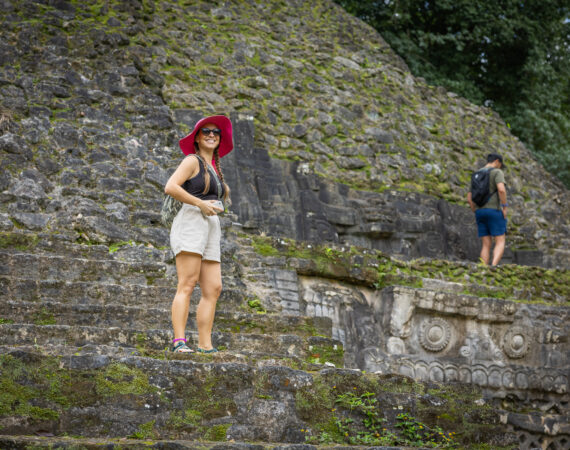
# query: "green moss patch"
[[123, 380], [44, 317], [18, 241], [375, 269], [145, 431], [23, 388], [204, 399]]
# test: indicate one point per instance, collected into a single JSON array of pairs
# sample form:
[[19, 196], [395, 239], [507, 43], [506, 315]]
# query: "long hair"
[[227, 199]]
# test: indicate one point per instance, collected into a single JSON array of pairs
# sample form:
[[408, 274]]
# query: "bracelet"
[[504, 205]]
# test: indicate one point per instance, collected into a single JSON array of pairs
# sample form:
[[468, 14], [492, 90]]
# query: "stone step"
[[107, 353], [312, 348], [104, 293], [57, 267], [84, 292], [123, 316], [18, 241], [64, 442], [95, 396]]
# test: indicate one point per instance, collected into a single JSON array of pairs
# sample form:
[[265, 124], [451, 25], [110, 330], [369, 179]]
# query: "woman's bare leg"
[[188, 269], [211, 287]]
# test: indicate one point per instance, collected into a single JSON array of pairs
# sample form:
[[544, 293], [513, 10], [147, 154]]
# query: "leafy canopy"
[[513, 56]]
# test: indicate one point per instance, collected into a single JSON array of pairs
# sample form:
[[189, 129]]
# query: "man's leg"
[[499, 249], [486, 242]]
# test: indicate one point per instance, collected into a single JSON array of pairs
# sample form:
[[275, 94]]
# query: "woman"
[[195, 233]]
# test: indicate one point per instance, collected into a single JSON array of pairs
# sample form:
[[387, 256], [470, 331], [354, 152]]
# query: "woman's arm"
[[188, 168]]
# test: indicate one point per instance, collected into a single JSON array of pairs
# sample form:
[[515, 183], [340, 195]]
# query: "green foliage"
[[418, 434], [366, 403], [511, 56], [320, 354], [359, 420]]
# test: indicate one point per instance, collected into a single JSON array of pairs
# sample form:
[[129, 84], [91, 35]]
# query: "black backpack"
[[480, 186]]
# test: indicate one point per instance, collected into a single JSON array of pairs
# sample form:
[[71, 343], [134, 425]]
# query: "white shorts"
[[195, 233]]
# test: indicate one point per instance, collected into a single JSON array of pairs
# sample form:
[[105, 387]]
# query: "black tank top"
[[195, 185]]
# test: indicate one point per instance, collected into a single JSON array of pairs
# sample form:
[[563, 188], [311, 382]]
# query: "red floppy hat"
[[226, 138]]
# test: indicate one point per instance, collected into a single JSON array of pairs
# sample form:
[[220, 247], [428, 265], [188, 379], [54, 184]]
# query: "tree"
[[512, 55]]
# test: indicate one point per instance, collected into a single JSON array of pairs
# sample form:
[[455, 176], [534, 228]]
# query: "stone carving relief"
[[446, 337], [396, 346], [479, 347], [435, 334], [492, 376], [516, 342], [530, 441], [400, 318], [322, 298]]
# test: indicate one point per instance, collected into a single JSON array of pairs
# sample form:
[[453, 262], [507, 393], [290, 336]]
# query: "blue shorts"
[[490, 222]]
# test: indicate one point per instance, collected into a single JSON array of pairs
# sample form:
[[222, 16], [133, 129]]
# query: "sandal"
[[181, 347], [212, 350]]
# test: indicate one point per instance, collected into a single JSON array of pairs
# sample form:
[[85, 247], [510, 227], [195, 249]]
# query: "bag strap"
[[212, 172], [496, 191]]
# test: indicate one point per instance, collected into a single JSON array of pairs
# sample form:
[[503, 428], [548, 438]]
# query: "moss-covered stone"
[[23, 385], [145, 431], [44, 317], [348, 407], [216, 432], [320, 354], [119, 379], [18, 241], [373, 268]]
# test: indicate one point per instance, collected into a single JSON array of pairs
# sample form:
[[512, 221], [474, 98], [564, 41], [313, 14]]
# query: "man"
[[491, 216]]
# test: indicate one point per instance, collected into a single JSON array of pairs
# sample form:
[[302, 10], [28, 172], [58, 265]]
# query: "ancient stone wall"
[[289, 199], [356, 169], [95, 99]]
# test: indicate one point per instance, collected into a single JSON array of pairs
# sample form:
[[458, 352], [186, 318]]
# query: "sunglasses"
[[207, 131]]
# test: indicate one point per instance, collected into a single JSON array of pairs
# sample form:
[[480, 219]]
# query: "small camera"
[[218, 204]]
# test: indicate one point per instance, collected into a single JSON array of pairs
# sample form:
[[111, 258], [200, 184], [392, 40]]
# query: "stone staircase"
[[79, 312], [102, 299], [84, 336]]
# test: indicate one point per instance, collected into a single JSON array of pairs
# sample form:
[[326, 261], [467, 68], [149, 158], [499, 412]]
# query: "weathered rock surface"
[[347, 144], [356, 169]]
